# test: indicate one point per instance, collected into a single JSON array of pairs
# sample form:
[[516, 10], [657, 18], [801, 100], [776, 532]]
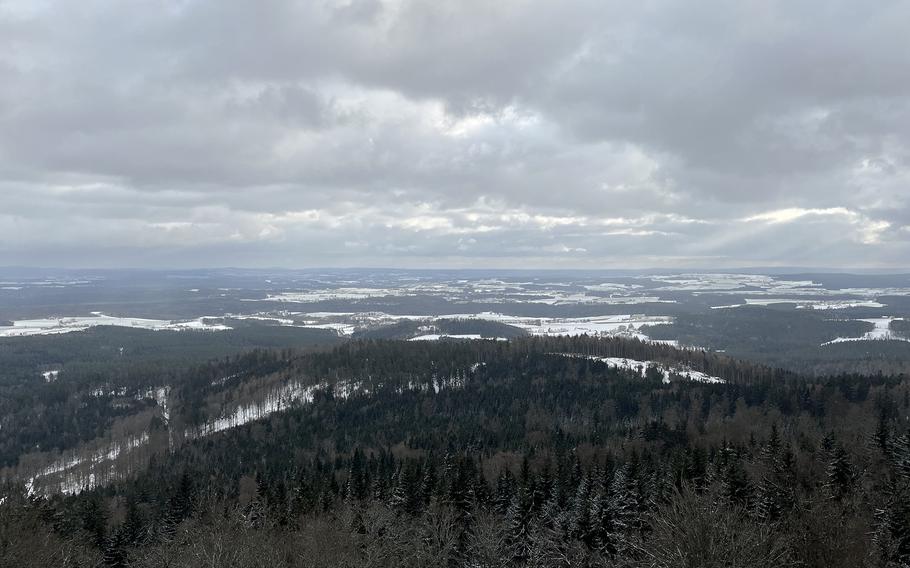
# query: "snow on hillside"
[[74, 470], [72, 477], [438, 336], [806, 304], [274, 401], [293, 393], [642, 368]]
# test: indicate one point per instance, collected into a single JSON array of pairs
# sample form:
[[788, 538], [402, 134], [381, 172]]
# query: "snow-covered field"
[[626, 325], [15, 285], [51, 326], [310, 296], [840, 304], [803, 304], [346, 323], [485, 290], [881, 332], [714, 282], [762, 290], [356, 300], [339, 328], [806, 294], [437, 337], [752, 289], [561, 299]]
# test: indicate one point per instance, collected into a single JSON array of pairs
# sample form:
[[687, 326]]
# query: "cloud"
[[400, 132], [794, 213], [867, 231]]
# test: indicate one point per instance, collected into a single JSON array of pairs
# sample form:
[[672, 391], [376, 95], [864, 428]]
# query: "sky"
[[515, 133]]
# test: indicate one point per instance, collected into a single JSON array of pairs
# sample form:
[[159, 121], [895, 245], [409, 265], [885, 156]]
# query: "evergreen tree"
[[737, 487], [520, 517], [428, 481], [891, 539], [505, 491], [480, 491], [608, 520], [358, 478], [134, 526], [94, 519], [775, 492], [900, 456], [839, 474], [113, 553], [583, 527], [406, 496]]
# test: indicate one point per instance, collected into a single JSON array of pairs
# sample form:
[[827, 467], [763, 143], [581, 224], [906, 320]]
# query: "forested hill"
[[531, 452]]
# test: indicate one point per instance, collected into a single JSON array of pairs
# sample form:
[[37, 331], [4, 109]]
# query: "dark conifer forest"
[[531, 452]]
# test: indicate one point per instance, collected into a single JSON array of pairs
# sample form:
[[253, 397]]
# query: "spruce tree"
[[737, 487], [94, 519], [134, 529], [505, 490], [839, 474], [520, 517], [582, 525], [114, 553]]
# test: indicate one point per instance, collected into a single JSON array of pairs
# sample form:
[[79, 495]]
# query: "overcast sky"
[[590, 134]]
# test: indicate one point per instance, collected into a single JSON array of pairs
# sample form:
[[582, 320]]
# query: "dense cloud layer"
[[587, 133]]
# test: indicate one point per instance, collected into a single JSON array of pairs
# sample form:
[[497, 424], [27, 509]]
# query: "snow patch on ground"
[[276, 400], [339, 328], [806, 304], [223, 380], [160, 396], [642, 368], [263, 317], [71, 478], [350, 293], [438, 336]]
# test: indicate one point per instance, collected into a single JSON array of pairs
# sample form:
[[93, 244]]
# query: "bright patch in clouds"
[[868, 231], [793, 213]]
